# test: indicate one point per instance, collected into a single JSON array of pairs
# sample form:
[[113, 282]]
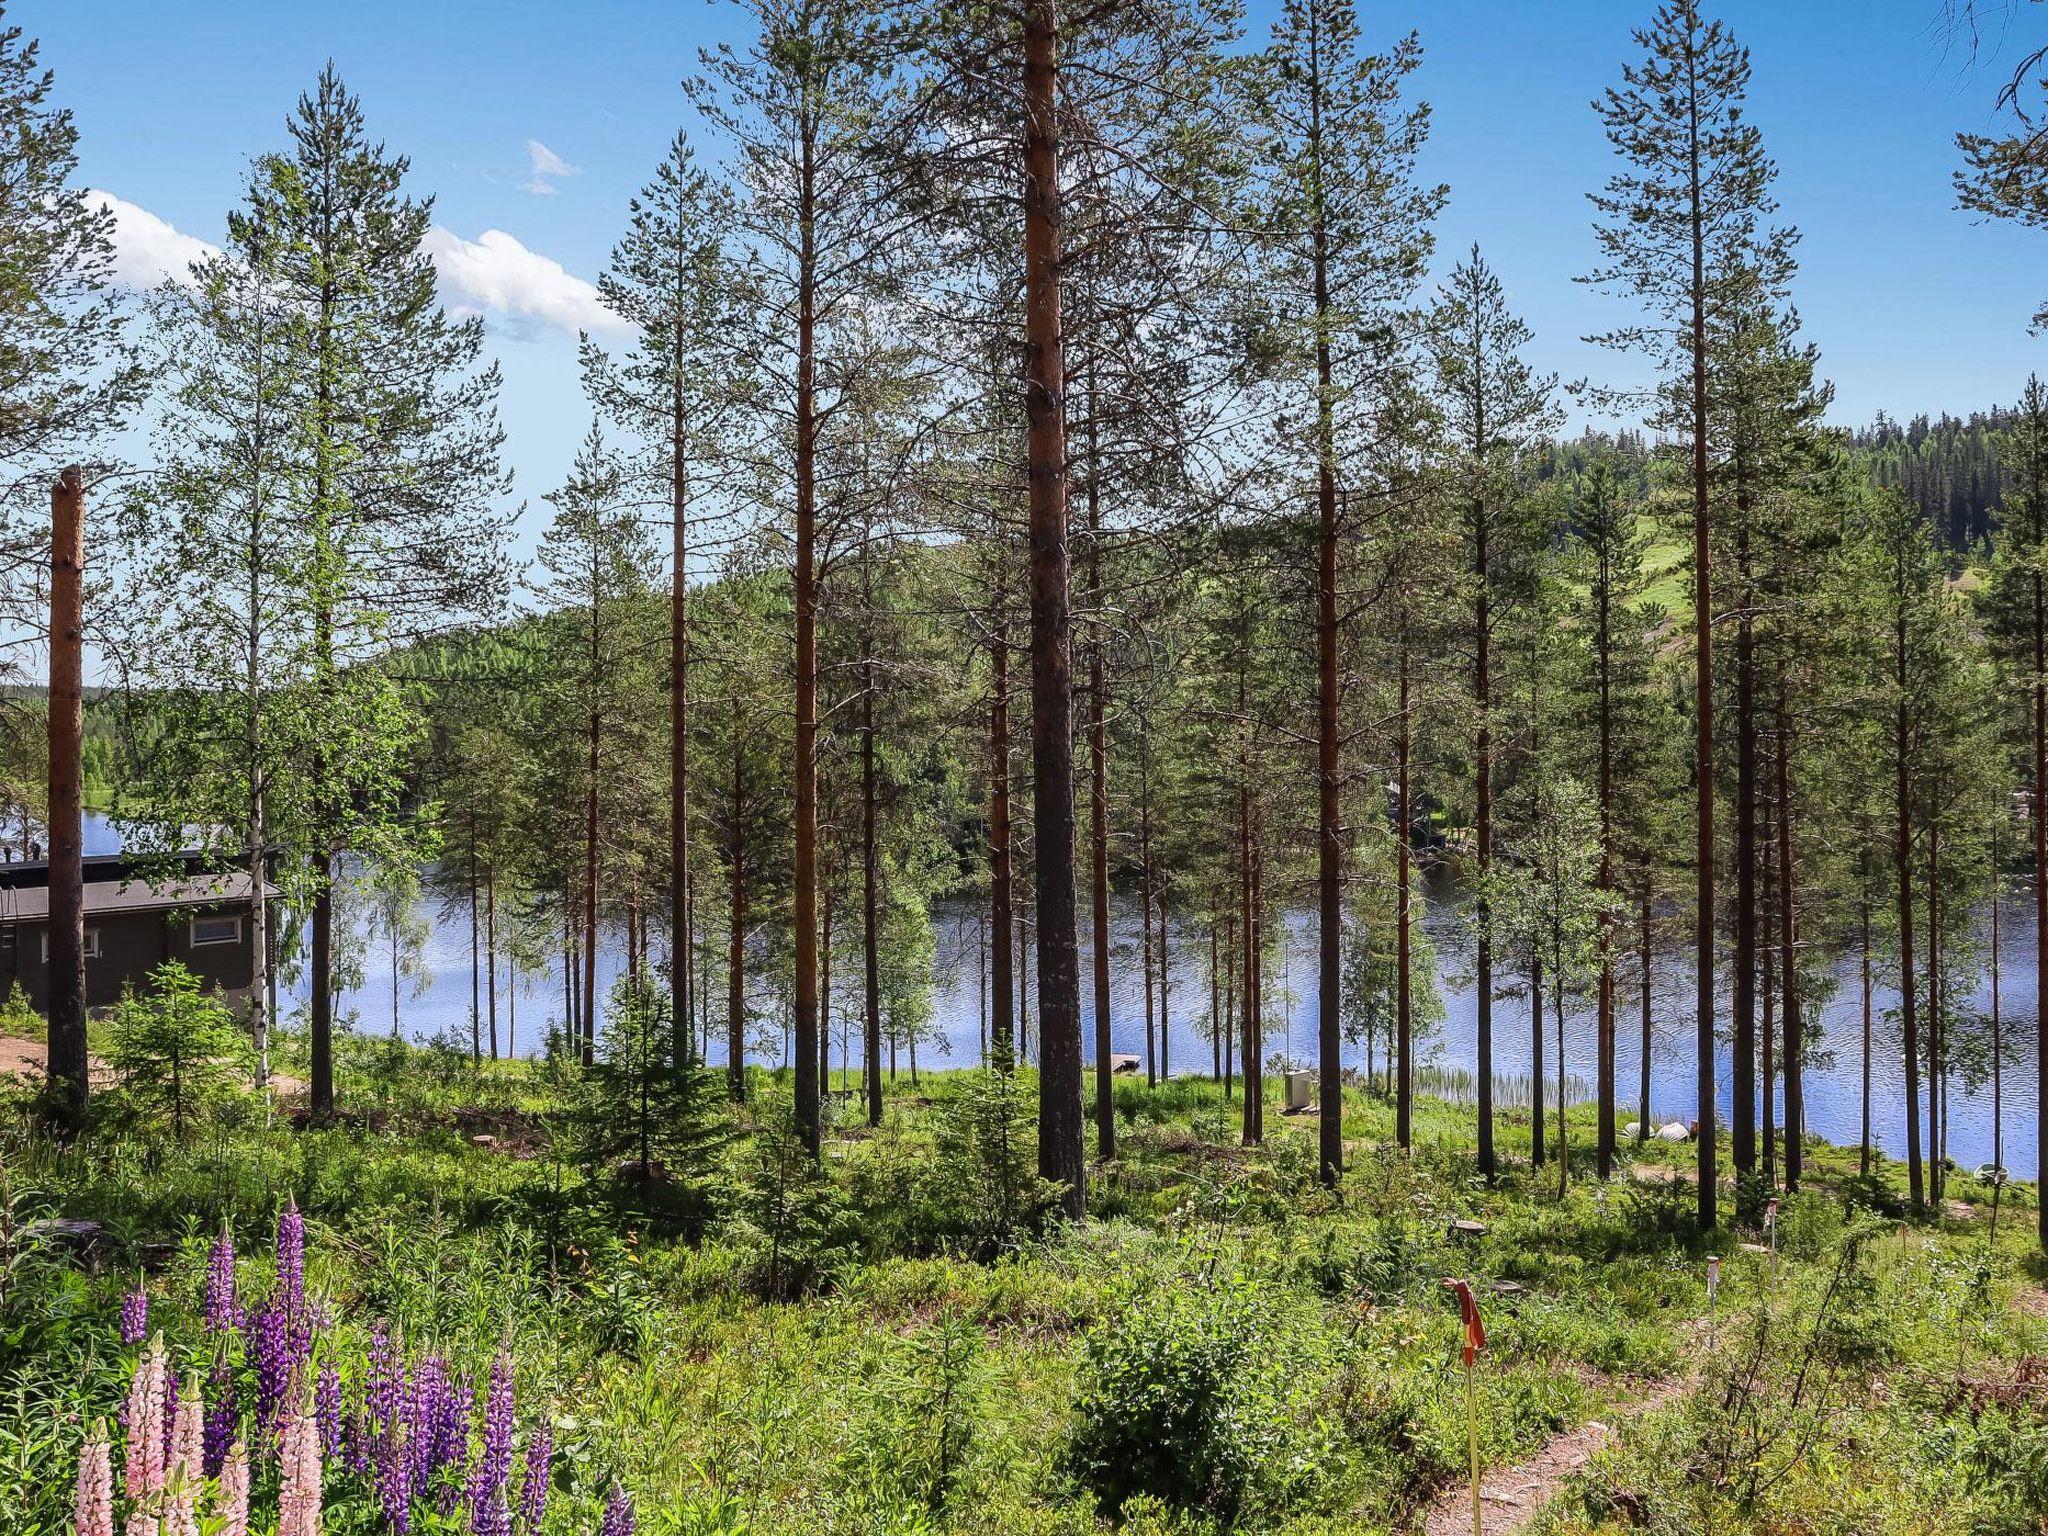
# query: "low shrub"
[[1203, 1398]]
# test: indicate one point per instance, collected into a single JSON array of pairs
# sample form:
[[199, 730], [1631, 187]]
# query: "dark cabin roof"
[[114, 883]]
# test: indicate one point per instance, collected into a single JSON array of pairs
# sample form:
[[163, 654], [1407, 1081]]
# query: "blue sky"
[[1913, 305]]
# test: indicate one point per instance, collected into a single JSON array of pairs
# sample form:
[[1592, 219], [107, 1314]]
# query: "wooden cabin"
[[196, 916]]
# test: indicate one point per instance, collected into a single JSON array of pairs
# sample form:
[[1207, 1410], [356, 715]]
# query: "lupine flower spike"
[[222, 1313], [182, 1478], [231, 1496], [92, 1506], [298, 1498], [188, 1435], [533, 1488], [327, 1408], [489, 1478], [181, 1507], [618, 1514], [291, 1259], [143, 1473], [135, 1314], [223, 1415]]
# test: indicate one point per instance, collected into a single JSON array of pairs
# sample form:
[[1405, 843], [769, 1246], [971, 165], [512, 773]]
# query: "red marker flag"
[[1475, 1330]]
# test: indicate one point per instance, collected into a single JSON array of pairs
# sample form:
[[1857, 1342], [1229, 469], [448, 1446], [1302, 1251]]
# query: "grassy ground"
[[887, 1349]]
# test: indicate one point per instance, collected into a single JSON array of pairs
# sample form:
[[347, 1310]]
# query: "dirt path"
[[30, 1058], [1513, 1496]]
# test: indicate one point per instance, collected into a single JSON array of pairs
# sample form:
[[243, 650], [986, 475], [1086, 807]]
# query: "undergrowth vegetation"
[[907, 1342]]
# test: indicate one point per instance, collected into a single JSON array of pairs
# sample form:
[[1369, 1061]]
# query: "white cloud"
[[545, 167], [146, 248], [495, 275]]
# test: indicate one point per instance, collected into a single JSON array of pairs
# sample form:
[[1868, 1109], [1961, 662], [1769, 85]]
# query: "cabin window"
[[92, 945], [216, 930]]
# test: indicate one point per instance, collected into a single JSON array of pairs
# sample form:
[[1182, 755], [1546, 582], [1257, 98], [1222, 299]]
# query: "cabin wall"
[[131, 945]]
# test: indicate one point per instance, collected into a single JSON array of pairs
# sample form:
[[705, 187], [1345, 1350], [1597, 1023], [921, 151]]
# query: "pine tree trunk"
[[1744, 1043], [1936, 1184], [736, 952], [870, 896], [825, 993], [1536, 1150], [259, 850], [1643, 1068], [1098, 815], [1767, 1037], [1002, 1003], [69, 1063], [1997, 1035], [1060, 1157], [1703, 689], [1863, 1138], [1329, 737], [1165, 969], [1145, 926], [1482, 979], [805, 896], [590, 893], [1605, 1031], [491, 952], [1564, 1149], [1226, 1026], [1908, 1009], [1788, 943], [1024, 986], [1249, 1049], [2037, 812], [681, 972], [1404, 1007], [476, 1007]]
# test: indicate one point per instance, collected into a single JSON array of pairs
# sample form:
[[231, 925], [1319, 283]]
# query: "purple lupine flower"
[[458, 1407], [618, 1514], [423, 1418], [394, 1490], [298, 1341], [291, 1259], [384, 1381], [533, 1487], [327, 1408], [488, 1478], [382, 1401], [223, 1314], [266, 1343], [135, 1315], [223, 1412], [393, 1454]]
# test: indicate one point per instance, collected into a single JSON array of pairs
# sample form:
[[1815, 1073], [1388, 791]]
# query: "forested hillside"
[[1953, 470]]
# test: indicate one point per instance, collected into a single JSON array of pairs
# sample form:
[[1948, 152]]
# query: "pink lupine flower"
[[188, 1434], [181, 1506], [143, 1474], [231, 1494], [298, 1499], [92, 1506]]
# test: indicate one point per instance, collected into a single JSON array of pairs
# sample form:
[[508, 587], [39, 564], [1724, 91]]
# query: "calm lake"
[[439, 1004]]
